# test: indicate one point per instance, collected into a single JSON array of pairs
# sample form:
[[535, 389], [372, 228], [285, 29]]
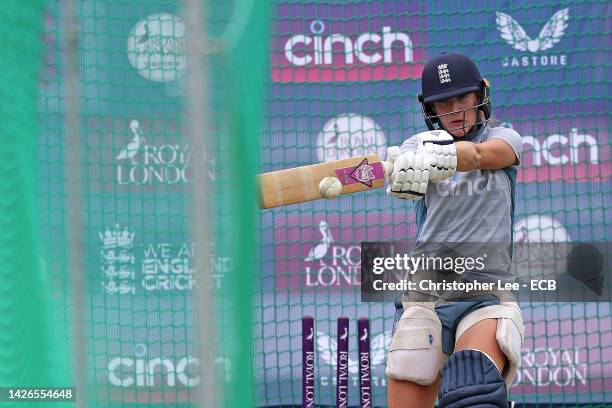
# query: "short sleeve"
[[512, 138]]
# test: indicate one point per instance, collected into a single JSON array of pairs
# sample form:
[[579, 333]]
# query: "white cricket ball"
[[330, 187]]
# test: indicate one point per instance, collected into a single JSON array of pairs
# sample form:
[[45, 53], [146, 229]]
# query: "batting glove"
[[440, 147], [410, 176], [393, 153]]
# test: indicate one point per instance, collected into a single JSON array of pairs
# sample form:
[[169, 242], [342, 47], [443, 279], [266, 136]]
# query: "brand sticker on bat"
[[364, 173]]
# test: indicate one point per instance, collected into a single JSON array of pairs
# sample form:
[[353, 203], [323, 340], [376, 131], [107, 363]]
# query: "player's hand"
[[393, 153], [440, 147], [410, 176]]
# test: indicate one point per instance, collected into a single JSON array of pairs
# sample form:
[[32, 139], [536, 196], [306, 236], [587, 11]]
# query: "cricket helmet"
[[449, 75]]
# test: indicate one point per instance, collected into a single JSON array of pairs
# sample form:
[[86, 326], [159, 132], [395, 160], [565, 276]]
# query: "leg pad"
[[471, 380]]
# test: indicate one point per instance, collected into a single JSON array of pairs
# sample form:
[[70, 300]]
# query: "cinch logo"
[[559, 149], [143, 371], [127, 372], [572, 157], [517, 38], [319, 49], [351, 46], [456, 186]]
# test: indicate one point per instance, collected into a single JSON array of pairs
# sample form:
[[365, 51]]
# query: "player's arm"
[[493, 154]]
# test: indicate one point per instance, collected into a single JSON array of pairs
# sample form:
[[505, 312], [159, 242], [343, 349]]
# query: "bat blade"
[[300, 184]]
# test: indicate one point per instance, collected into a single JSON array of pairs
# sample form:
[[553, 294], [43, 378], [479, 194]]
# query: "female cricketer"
[[462, 348]]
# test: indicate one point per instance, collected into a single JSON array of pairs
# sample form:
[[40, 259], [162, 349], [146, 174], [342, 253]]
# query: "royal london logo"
[[516, 36], [327, 349], [546, 366], [141, 163], [349, 135], [156, 47], [537, 252], [540, 228], [329, 265]]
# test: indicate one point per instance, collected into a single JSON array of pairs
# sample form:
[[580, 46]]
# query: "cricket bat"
[[300, 184]]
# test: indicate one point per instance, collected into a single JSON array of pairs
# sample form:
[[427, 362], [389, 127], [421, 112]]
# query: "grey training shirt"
[[472, 207]]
